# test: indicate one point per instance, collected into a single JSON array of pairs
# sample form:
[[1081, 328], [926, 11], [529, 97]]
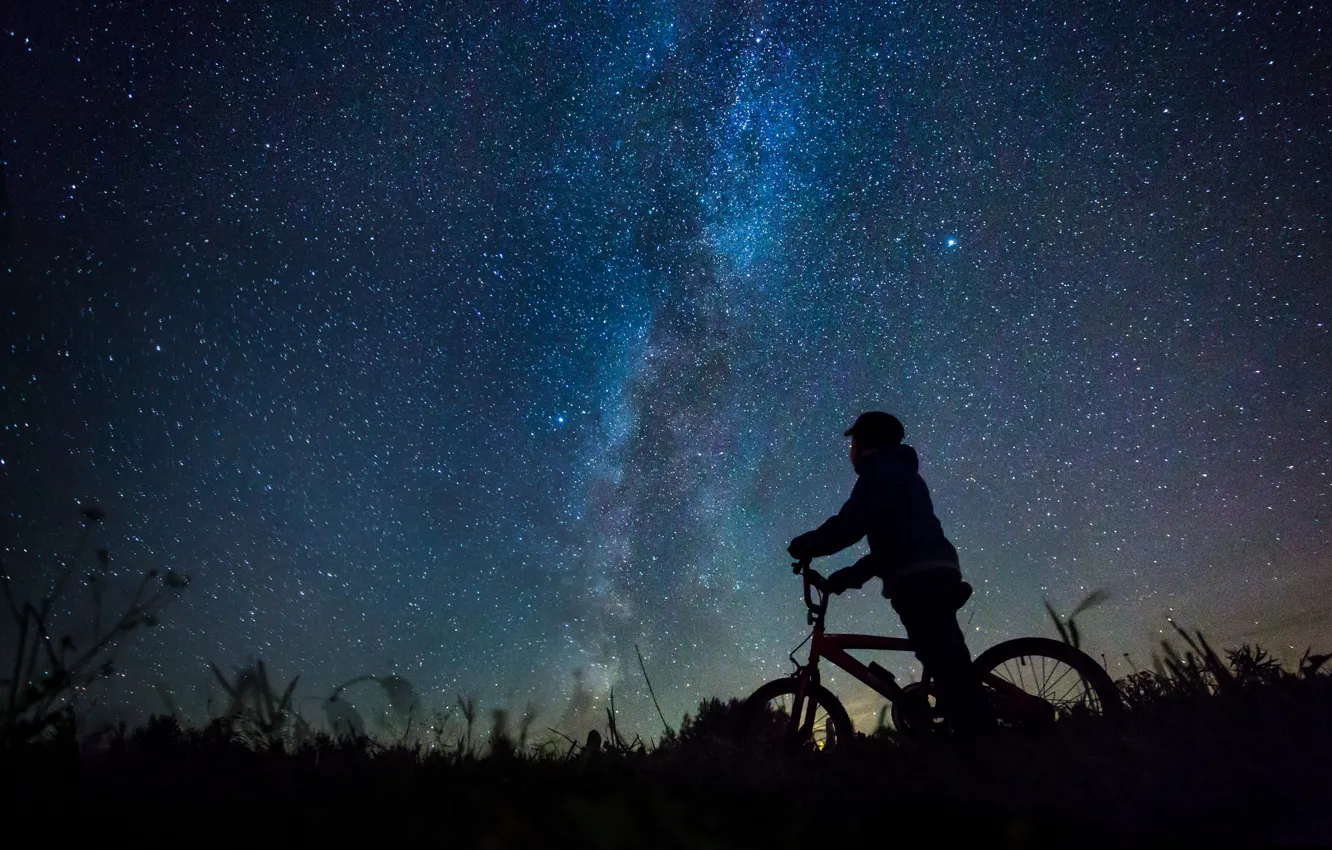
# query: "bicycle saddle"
[[964, 592]]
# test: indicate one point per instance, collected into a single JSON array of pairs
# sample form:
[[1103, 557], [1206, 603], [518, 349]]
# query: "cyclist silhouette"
[[891, 506]]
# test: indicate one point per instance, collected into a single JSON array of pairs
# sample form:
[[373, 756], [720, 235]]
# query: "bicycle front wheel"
[[766, 717], [1064, 682]]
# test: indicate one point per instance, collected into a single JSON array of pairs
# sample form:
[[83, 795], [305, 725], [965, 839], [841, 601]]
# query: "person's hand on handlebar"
[[840, 581], [799, 549]]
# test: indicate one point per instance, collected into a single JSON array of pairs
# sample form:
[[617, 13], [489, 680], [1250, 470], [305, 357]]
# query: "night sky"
[[481, 342]]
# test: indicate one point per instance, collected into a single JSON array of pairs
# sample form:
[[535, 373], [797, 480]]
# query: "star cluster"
[[483, 342]]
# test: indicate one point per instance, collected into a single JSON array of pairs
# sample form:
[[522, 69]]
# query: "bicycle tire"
[[836, 720], [1096, 693]]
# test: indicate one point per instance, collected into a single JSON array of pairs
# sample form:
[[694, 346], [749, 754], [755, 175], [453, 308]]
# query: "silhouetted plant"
[[615, 740], [467, 705], [259, 715], [48, 677], [396, 724], [652, 693], [1181, 674], [715, 721], [1199, 671], [1219, 673], [501, 744], [1068, 626], [343, 718], [438, 729], [525, 726], [162, 732], [1252, 665], [612, 726], [883, 729], [1141, 689], [573, 745], [1311, 664]]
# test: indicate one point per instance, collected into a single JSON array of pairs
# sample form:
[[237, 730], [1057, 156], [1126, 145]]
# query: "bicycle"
[[1020, 681]]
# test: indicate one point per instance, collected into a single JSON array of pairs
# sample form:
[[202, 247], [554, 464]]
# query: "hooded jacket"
[[891, 506]]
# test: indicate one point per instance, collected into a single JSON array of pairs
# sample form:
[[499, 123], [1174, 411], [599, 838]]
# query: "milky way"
[[482, 343]]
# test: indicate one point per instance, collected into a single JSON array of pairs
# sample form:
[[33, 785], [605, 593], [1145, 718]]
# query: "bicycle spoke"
[[1020, 679], [1048, 679], [1086, 696], [1077, 693], [820, 730], [1051, 685], [1041, 668], [1048, 688]]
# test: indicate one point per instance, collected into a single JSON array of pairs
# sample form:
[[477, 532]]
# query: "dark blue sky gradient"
[[480, 342]]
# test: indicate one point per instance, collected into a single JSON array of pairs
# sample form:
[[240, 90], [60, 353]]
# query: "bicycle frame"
[[834, 647]]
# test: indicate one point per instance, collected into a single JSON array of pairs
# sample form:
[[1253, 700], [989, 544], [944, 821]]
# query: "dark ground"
[[1246, 766]]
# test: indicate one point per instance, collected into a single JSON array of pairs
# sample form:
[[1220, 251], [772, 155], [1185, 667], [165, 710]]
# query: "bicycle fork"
[[800, 725]]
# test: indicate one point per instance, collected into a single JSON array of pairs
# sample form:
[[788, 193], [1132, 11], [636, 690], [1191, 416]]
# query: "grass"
[[1227, 746], [50, 679], [1241, 763]]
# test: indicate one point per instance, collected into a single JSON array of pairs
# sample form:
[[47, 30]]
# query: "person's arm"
[[844, 529], [852, 577]]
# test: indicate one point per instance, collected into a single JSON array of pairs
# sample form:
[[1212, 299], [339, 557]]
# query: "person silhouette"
[[890, 505]]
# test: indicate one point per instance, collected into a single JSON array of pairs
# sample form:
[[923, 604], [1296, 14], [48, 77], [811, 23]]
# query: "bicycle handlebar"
[[812, 580]]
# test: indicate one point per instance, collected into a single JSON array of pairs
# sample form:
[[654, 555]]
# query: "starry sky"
[[481, 342]]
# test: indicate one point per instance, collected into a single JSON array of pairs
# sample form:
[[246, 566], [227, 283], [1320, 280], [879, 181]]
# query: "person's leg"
[[926, 605]]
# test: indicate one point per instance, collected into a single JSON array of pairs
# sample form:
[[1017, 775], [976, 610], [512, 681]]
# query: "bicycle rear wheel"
[[1064, 682], [765, 718]]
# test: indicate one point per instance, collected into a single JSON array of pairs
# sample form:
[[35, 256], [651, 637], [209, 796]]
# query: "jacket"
[[891, 506]]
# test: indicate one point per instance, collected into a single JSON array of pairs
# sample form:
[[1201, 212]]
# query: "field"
[[1227, 746], [1243, 763]]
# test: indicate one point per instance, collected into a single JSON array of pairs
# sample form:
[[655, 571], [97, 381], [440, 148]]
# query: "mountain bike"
[[1026, 682]]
